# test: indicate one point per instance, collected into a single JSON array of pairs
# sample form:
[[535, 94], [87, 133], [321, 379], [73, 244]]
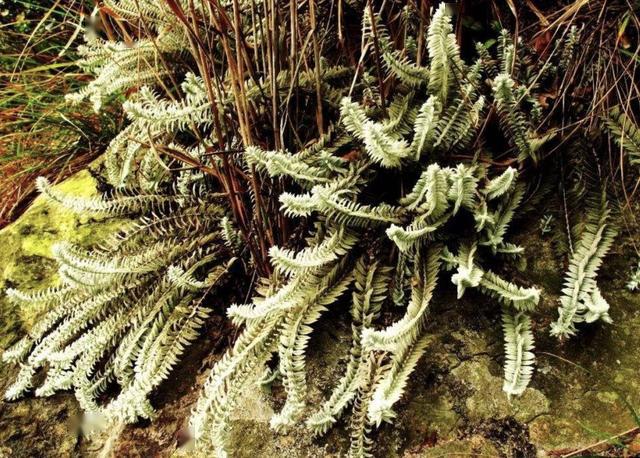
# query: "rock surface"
[[582, 390]]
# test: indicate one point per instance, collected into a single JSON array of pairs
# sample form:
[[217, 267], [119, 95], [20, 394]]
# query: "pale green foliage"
[[464, 183], [117, 204], [391, 387], [155, 120], [402, 115], [353, 117], [446, 65], [508, 293], [153, 12], [429, 195], [359, 425], [281, 322], [126, 311], [634, 279], [424, 126], [382, 147], [135, 305], [119, 66], [370, 290], [310, 279], [581, 299], [518, 349], [131, 159], [468, 275], [404, 340], [406, 331], [395, 62], [458, 124], [571, 41], [277, 163], [334, 245], [501, 184], [625, 132], [157, 115], [499, 220], [231, 236], [513, 120]]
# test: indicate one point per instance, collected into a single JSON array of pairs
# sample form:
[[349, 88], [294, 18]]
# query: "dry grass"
[[39, 133]]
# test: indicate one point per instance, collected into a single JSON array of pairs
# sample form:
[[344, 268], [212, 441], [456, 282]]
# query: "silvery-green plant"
[[437, 109], [634, 279], [126, 312]]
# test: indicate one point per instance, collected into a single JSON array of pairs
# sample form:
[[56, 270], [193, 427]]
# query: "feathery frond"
[[581, 299], [518, 350]]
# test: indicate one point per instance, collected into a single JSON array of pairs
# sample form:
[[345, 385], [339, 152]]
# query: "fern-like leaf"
[[518, 349]]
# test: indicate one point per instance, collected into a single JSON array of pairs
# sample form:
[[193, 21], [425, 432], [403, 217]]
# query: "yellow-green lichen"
[[25, 248]]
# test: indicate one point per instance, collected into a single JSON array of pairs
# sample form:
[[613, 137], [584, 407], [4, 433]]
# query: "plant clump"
[[372, 184]]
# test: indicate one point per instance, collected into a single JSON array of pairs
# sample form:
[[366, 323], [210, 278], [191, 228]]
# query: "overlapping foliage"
[[194, 164], [443, 114], [126, 311]]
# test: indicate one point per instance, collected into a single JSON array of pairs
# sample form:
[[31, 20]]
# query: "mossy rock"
[[40, 427], [454, 404], [25, 258]]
